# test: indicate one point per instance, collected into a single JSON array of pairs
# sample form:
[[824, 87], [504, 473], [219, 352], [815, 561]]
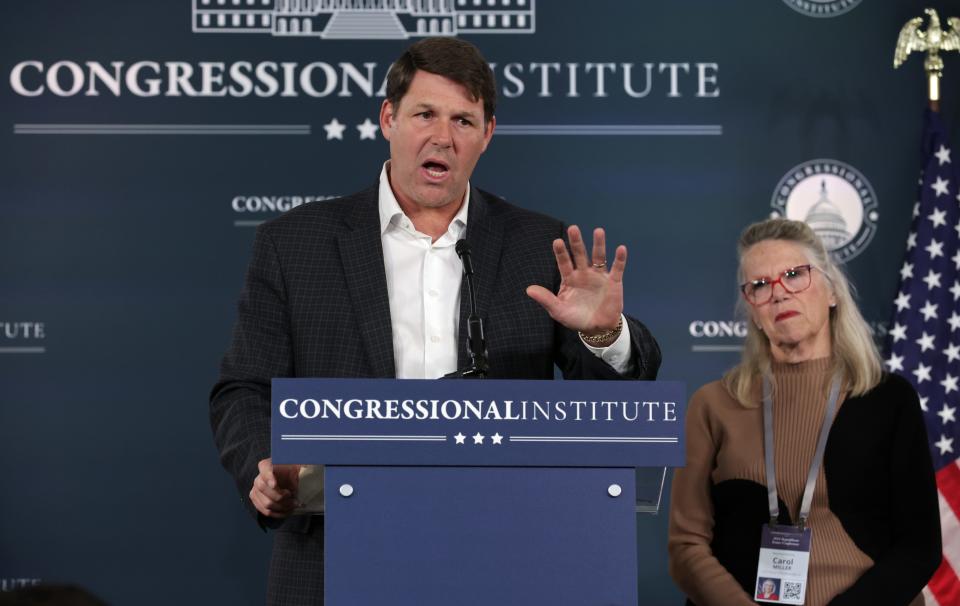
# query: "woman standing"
[[871, 505]]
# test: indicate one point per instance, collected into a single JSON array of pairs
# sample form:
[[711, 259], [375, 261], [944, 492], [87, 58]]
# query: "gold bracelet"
[[596, 340]]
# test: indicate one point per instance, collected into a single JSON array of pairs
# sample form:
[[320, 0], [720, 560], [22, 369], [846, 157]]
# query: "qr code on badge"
[[791, 591]]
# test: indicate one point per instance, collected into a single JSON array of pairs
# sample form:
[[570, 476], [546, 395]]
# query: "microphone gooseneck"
[[476, 341]]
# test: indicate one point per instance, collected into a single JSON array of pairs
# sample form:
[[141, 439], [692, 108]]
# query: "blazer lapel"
[[485, 237], [361, 252]]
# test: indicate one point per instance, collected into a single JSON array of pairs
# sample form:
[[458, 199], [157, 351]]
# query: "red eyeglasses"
[[793, 280]]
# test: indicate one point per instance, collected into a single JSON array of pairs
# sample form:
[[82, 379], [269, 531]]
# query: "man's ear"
[[387, 118], [488, 132]]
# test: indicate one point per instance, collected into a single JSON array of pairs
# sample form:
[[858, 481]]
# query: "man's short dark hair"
[[451, 58]]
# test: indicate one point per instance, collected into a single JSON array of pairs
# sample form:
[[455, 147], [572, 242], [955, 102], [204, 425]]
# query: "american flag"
[[924, 341]]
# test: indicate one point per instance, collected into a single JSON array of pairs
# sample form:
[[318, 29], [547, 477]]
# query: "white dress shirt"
[[423, 284]]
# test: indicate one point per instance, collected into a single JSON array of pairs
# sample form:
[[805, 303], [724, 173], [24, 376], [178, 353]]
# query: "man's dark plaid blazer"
[[315, 305]]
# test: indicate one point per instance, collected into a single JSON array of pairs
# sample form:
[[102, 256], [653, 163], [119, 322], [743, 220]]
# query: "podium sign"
[[528, 423], [479, 492]]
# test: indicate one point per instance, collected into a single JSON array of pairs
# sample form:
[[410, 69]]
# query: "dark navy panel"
[[477, 536]]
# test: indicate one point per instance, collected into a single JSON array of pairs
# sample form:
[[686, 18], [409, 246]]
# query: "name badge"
[[784, 560]]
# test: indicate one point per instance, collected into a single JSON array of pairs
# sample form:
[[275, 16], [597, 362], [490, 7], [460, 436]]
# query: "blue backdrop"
[[145, 140]]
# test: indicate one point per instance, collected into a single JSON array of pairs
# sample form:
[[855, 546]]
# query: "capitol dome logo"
[[822, 8], [835, 200]]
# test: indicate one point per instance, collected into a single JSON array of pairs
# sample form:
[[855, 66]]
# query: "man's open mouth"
[[435, 169]]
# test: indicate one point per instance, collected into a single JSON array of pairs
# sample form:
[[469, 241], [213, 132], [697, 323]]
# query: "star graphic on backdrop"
[[334, 129], [925, 342], [911, 240], [929, 311], [940, 186], [934, 248], [902, 301], [368, 130], [943, 154], [923, 403], [916, 208], [478, 439], [932, 280], [922, 373], [955, 290], [938, 217], [945, 444], [907, 270], [895, 362], [949, 384], [497, 438], [956, 257], [946, 414], [956, 228], [898, 332], [952, 352], [953, 321], [459, 437]]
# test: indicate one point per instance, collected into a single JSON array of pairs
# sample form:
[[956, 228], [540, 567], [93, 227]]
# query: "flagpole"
[[934, 74]]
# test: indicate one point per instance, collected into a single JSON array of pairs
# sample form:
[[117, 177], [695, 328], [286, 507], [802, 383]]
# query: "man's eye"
[[425, 115], [465, 122]]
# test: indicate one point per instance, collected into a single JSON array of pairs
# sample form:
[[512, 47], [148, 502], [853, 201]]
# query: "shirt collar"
[[391, 213]]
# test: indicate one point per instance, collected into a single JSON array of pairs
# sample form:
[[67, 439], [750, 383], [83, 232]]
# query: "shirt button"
[[432, 293], [434, 339]]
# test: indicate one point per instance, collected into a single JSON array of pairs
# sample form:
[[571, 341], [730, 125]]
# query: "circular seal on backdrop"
[[822, 8], [834, 199]]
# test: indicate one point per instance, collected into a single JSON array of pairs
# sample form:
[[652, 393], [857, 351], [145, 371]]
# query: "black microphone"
[[463, 251]]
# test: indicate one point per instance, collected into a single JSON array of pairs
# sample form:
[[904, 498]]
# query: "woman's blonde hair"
[[855, 355]]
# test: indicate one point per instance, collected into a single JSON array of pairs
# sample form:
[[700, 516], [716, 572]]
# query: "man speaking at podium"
[[370, 285]]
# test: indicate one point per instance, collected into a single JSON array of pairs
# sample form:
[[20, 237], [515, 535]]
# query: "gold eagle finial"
[[933, 40]]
